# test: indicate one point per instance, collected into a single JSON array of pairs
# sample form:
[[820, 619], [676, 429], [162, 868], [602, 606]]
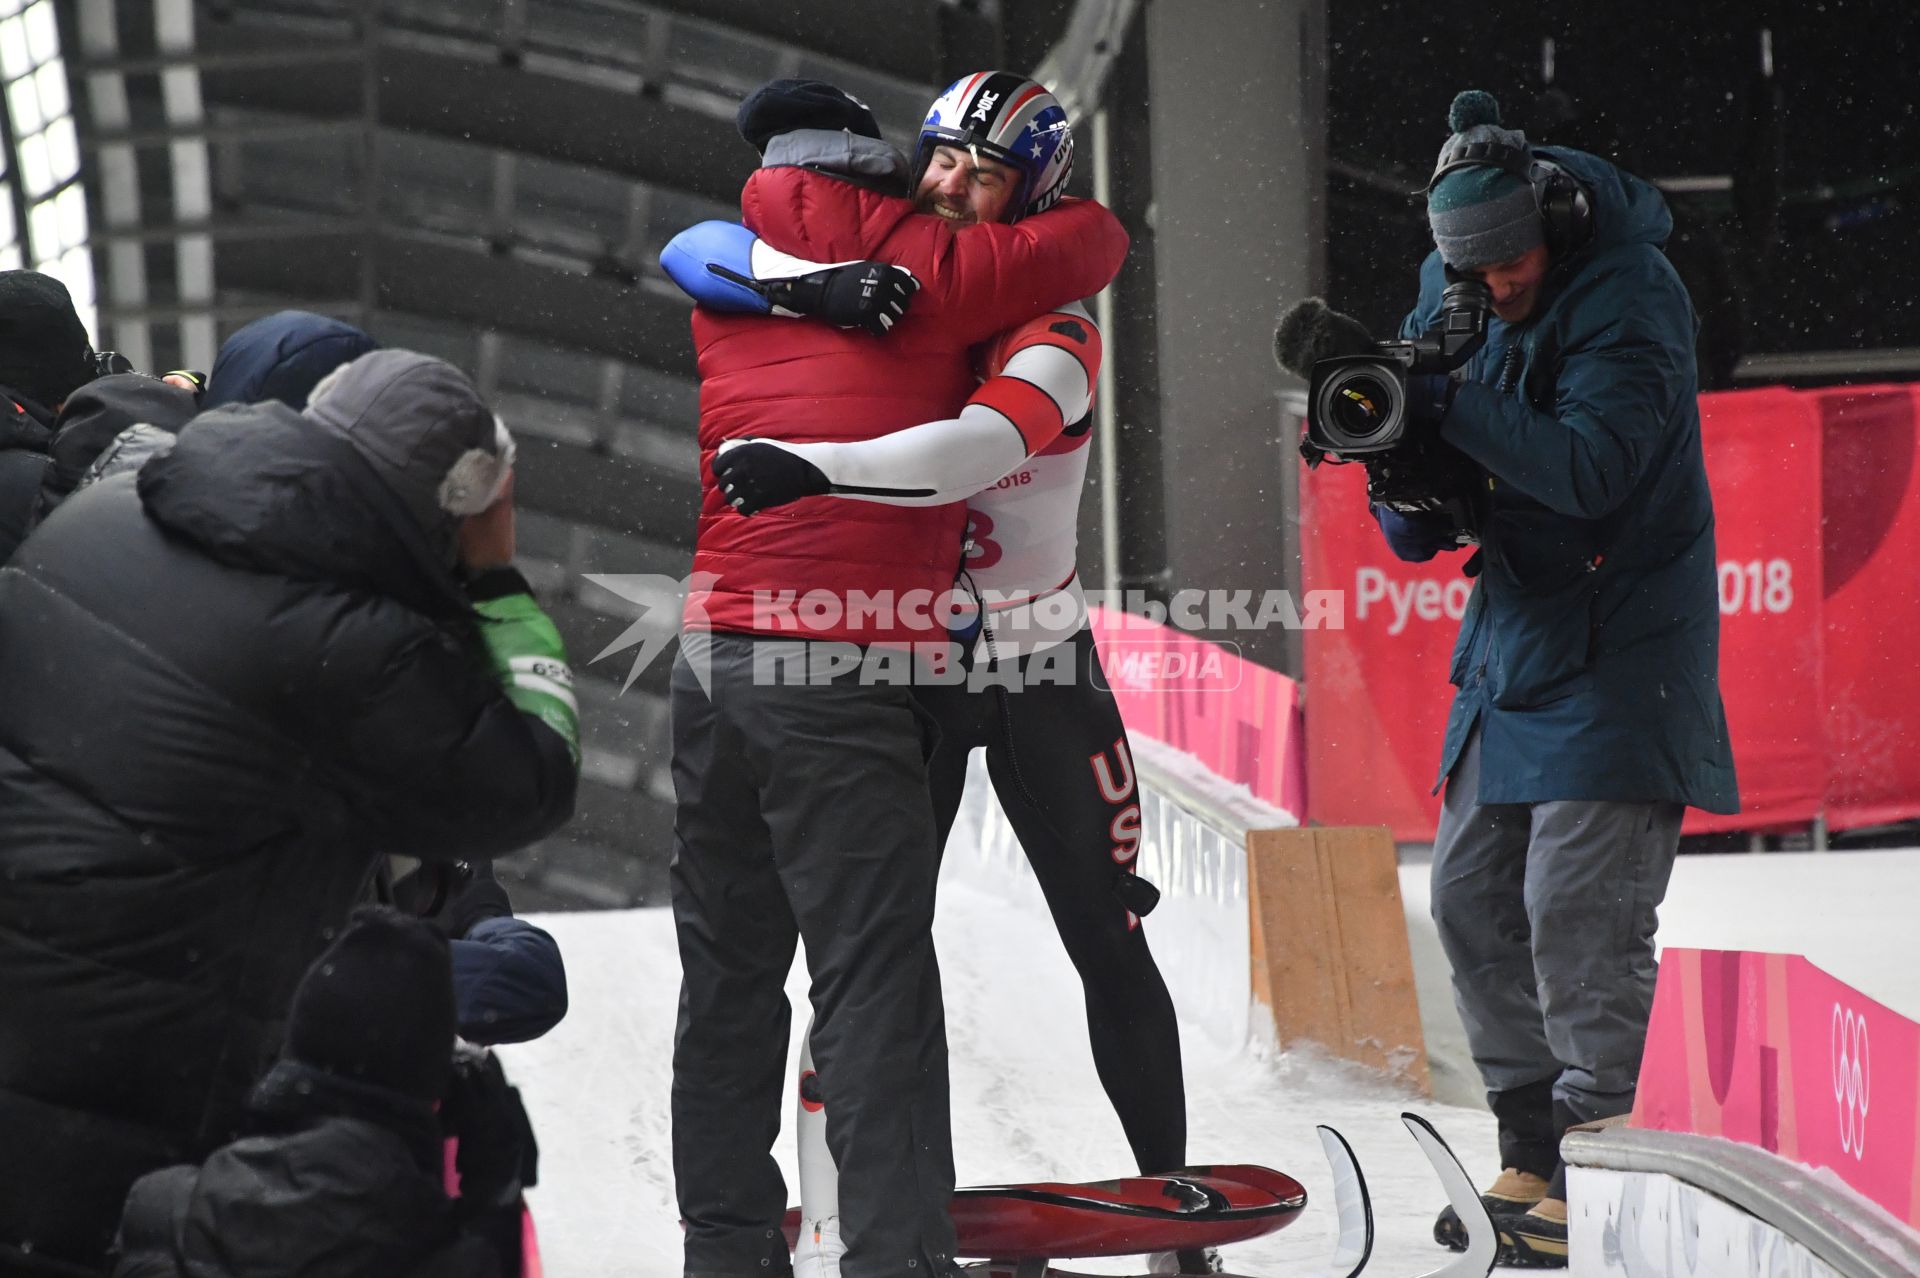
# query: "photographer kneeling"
[[1588, 710]]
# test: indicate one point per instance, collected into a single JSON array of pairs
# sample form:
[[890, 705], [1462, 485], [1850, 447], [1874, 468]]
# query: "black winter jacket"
[[26, 429], [94, 417], [337, 1185], [229, 685]]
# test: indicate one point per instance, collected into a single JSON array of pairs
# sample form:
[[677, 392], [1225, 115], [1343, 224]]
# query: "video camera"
[[1357, 402]]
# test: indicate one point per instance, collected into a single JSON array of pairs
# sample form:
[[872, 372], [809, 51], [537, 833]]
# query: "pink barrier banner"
[[1768, 1050], [1239, 719]]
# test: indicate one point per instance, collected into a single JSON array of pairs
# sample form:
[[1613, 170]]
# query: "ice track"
[[1026, 1102]]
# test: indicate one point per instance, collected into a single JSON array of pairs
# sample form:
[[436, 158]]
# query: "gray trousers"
[[1547, 913], [802, 813]]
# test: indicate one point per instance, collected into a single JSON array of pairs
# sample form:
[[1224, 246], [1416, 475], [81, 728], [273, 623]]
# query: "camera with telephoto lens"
[[1357, 411], [108, 363]]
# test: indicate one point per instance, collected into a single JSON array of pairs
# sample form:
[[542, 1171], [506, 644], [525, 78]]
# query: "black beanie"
[[785, 105], [44, 351], [377, 1006]]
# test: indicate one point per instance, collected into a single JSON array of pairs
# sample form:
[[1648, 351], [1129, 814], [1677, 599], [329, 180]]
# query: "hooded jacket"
[[775, 379], [93, 419], [233, 681], [282, 357], [1589, 653]]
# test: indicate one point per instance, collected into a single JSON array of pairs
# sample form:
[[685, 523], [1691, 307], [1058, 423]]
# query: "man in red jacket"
[[803, 808]]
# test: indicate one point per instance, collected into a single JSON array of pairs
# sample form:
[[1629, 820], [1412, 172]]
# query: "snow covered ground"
[[1026, 1105]]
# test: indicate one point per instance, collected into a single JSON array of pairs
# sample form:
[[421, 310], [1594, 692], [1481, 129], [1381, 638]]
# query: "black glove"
[[453, 897], [869, 295], [476, 897], [756, 475], [497, 1157], [1429, 396]]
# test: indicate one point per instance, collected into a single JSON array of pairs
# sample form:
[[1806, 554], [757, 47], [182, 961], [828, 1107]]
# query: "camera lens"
[[1359, 408]]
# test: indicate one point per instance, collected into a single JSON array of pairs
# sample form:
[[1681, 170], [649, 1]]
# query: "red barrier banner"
[[1377, 690], [1240, 720], [1763, 464], [1871, 500], [1770, 1051]]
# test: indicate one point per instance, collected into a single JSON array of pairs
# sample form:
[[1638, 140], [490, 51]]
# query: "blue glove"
[[1415, 538], [713, 264], [1429, 395]]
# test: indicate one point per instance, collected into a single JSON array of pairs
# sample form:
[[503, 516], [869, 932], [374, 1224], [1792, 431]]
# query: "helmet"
[[1008, 118]]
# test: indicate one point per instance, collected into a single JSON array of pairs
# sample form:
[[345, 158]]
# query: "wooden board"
[[1329, 946]]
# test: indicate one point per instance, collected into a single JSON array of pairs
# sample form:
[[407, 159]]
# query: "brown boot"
[[1513, 1193], [1536, 1238]]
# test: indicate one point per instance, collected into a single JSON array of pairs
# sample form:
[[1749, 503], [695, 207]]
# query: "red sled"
[[1193, 1207], [1021, 1229]]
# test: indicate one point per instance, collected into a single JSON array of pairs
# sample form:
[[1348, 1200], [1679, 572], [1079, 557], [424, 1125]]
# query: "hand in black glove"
[[869, 295], [754, 475], [1429, 396], [497, 1157], [476, 896], [453, 897]]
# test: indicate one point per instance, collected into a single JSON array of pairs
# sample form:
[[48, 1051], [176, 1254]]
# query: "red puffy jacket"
[[821, 567]]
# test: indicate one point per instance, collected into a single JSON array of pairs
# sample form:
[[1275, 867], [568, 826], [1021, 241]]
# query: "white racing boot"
[[819, 1251]]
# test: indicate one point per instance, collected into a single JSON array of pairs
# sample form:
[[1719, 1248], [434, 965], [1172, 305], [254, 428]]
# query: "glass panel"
[[63, 150], [72, 204], [23, 100], [52, 79], [14, 58], [43, 226], [36, 173], [76, 272], [43, 36]]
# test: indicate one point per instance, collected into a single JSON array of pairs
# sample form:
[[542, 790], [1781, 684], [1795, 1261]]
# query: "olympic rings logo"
[[1852, 1078]]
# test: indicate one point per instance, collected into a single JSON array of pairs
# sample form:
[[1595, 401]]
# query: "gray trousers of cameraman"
[[802, 814], [1547, 913]]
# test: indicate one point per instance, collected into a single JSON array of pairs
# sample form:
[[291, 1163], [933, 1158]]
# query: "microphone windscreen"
[[1309, 331]]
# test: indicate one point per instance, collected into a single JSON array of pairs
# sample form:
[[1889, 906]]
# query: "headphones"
[[1565, 207]]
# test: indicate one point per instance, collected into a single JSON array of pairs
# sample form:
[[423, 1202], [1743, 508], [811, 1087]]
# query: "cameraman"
[[1588, 710]]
